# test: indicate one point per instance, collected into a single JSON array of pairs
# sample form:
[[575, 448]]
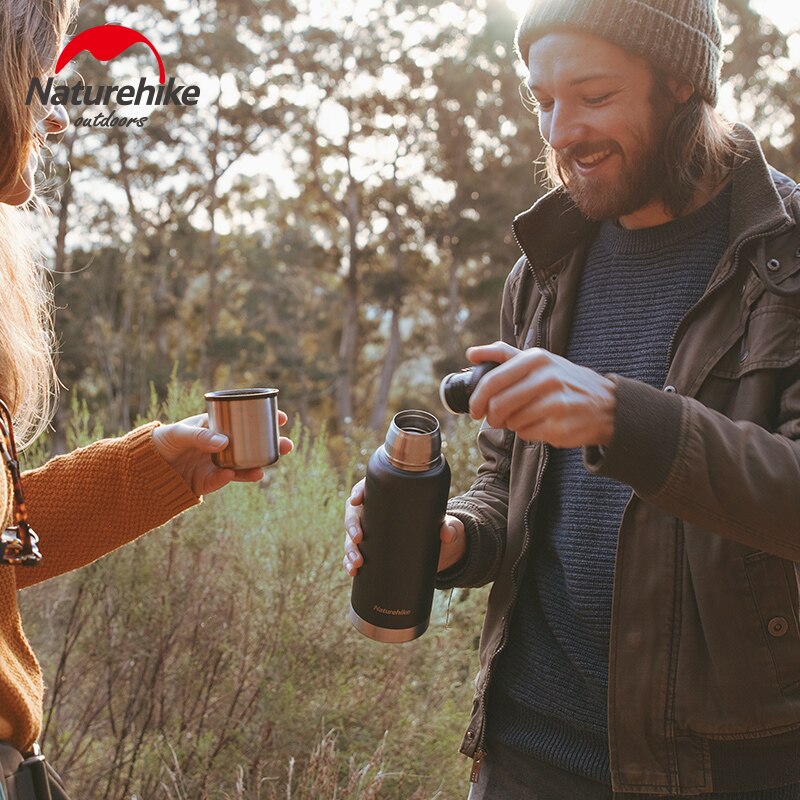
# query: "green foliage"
[[256, 242], [181, 401], [213, 658], [83, 429], [461, 450]]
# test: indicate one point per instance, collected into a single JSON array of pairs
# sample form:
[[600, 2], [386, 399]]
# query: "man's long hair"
[[699, 148], [31, 32]]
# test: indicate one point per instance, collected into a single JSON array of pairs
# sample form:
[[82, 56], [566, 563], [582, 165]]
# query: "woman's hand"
[[453, 538], [187, 447]]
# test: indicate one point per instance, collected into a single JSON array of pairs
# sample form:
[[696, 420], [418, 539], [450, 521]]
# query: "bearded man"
[[638, 509]]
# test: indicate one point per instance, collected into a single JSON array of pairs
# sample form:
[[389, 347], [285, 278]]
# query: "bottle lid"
[[414, 441]]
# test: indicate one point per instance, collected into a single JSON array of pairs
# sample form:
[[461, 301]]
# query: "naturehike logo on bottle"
[[395, 612], [105, 43]]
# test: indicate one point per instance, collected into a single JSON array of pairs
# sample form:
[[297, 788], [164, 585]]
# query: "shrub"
[[213, 658]]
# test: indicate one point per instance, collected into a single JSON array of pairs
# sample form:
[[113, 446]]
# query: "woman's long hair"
[[699, 148], [31, 32]]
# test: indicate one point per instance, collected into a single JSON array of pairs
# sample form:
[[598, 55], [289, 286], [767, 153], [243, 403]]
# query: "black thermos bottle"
[[405, 498]]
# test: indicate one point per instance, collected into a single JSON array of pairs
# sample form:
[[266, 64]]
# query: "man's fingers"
[[525, 369], [353, 535], [357, 494], [352, 525], [285, 445], [282, 418], [497, 381], [352, 558], [349, 568], [497, 351], [523, 398], [352, 522]]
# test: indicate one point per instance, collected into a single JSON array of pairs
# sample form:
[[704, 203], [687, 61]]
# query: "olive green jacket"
[[704, 655]]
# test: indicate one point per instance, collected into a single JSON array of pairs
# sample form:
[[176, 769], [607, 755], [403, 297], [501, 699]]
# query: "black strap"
[[28, 778], [57, 789], [20, 786]]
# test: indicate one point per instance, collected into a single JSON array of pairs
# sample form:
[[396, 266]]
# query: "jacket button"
[[773, 265], [470, 735], [777, 627], [671, 389], [743, 355]]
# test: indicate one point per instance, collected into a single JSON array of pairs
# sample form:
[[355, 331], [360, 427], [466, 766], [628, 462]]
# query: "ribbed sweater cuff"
[[160, 481], [647, 427]]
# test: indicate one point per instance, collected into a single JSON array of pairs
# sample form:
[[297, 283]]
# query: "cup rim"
[[410, 414], [241, 394]]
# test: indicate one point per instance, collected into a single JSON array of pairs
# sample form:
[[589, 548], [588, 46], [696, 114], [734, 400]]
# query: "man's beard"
[[639, 182]]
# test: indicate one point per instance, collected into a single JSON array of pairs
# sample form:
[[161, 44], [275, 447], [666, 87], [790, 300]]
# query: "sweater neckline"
[[624, 241]]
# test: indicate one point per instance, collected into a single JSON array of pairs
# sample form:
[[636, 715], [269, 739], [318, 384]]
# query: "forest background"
[[333, 218]]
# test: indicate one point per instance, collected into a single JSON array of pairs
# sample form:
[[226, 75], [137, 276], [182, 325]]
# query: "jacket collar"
[[553, 226]]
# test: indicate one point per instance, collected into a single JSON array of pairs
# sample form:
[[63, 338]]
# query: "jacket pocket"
[[771, 341], [773, 584]]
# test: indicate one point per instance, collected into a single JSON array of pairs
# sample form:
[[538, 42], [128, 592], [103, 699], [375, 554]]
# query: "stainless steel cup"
[[249, 418]]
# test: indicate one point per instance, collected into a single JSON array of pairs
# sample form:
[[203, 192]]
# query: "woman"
[[92, 501]]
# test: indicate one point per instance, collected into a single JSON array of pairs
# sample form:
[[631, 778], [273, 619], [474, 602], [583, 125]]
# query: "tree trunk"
[[390, 362], [60, 265], [453, 346], [347, 352], [348, 347], [208, 363], [392, 357]]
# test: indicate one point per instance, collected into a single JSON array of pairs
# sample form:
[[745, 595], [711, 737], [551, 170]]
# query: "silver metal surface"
[[442, 395], [387, 635], [414, 441], [249, 418]]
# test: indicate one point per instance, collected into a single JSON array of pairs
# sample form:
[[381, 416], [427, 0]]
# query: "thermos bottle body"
[[407, 484]]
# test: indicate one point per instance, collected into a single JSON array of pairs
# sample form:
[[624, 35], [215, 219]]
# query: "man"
[[638, 509]]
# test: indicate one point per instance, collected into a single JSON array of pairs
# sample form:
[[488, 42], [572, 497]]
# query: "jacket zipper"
[[477, 758], [480, 752]]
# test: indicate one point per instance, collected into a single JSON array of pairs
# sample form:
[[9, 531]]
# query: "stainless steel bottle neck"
[[413, 441]]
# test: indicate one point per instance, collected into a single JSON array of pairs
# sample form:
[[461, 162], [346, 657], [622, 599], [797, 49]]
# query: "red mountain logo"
[[106, 42]]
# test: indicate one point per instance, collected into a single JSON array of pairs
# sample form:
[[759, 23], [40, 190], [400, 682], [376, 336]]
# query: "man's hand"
[[543, 397], [187, 447], [452, 535]]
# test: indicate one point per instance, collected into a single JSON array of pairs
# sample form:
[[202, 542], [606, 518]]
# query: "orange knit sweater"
[[82, 506]]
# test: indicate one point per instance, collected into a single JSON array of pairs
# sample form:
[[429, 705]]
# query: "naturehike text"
[[126, 95]]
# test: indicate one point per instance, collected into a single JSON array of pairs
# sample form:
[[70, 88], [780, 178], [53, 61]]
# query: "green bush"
[[213, 658]]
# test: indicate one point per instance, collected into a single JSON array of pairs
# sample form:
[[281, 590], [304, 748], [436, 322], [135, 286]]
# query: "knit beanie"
[[681, 37]]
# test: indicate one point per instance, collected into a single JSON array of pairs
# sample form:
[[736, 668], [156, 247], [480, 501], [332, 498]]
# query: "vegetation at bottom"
[[213, 658]]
